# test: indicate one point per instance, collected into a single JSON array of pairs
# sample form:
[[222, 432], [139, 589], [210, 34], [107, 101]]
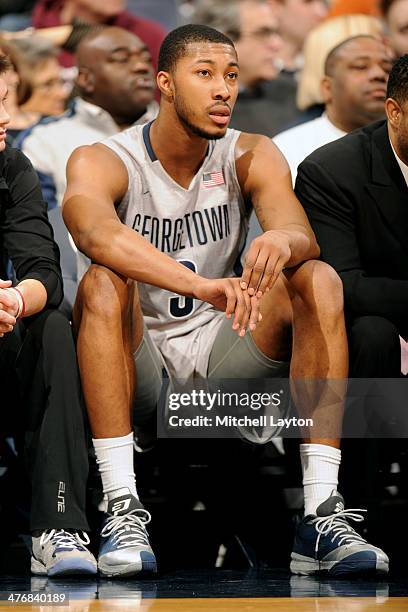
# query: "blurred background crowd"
[[73, 82]]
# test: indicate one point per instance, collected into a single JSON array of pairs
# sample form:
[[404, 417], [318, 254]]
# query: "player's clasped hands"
[[8, 307], [226, 294], [264, 261]]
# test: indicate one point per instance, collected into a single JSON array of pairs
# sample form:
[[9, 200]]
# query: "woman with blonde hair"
[[320, 42]]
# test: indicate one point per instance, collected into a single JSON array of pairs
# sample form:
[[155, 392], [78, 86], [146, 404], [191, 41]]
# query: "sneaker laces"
[[128, 529], [65, 539], [338, 525]]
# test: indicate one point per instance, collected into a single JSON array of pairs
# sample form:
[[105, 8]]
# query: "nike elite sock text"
[[114, 457], [320, 467]]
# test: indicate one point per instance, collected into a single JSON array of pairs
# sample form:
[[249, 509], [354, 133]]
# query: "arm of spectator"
[[332, 217], [288, 239], [57, 35], [28, 237]]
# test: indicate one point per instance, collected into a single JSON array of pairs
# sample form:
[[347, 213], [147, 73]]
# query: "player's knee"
[[321, 288], [103, 293]]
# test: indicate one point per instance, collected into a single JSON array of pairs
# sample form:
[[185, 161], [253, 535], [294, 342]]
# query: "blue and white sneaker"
[[124, 549], [327, 543], [57, 552]]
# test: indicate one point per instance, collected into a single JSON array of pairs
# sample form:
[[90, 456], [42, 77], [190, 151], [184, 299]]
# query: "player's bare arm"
[[97, 181], [288, 239]]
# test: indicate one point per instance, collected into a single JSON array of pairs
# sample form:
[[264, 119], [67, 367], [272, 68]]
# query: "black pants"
[[38, 370], [375, 352], [374, 348]]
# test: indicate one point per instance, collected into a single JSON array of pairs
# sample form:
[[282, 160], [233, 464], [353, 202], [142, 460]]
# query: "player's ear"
[[85, 80], [165, 84], [394, 112]]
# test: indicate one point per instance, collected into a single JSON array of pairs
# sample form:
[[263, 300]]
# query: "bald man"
[[116, 90], [353, 87]]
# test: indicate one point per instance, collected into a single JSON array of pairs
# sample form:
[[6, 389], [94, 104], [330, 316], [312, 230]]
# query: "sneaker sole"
[[148, 566], [65, 567], [305, 566]]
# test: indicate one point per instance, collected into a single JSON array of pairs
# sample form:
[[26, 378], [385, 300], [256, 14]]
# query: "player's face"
[[205, 85], [360, 80], [4, 116]]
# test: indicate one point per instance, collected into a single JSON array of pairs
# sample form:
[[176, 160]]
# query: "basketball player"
[[162, 212]]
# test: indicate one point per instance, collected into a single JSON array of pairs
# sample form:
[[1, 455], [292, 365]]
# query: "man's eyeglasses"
[[262, 35]]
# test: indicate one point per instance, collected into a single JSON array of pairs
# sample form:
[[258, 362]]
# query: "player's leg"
[[109, 326], [319, 369], [55, 446]]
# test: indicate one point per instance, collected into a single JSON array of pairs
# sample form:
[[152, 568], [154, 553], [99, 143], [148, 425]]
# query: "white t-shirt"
[[300, 141]]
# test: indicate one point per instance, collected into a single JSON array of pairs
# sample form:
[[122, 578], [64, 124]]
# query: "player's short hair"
[[331, 59], [5, 63], [397, 87], [174, 46]]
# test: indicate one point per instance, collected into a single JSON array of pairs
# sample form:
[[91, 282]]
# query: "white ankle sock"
[[320, 466], [114, 457]]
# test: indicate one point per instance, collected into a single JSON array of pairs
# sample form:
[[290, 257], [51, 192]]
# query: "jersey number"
[[182, 306]]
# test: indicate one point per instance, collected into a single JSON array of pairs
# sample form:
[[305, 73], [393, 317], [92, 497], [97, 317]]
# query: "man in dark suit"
[[355, 193]]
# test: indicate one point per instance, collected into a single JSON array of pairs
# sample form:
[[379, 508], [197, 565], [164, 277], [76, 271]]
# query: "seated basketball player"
[[162, 211]]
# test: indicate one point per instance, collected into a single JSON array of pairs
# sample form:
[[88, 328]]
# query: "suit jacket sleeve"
[[27, 234], [332, 216]]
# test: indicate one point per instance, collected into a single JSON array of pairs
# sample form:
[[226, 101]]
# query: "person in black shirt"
[[38, 369]]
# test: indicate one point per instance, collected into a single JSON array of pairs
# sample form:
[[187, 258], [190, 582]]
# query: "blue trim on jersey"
[[148, 144]]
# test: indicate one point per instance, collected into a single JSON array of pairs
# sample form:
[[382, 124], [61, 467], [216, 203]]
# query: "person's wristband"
[[20, 300]]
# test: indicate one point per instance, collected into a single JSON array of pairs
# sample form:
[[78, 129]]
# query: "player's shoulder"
[[255, 143], [96, 153], [96, 162]]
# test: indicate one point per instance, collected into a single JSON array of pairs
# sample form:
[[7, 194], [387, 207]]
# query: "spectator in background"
[[296, 19], [395, 13], [353, 89], [40, 74], [49, 13], [19, 120], [115, 90], [319, 43], [15, 14], [265, 103]]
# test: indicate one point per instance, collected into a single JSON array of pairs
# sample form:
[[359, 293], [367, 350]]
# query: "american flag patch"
[[213, 179]]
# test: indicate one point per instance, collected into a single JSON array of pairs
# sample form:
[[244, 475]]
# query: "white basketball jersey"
[[203, 227]]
